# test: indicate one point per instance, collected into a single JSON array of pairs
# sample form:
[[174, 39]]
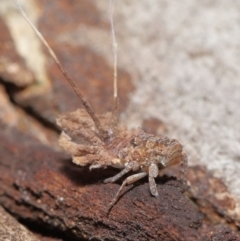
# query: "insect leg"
[[183, 168], [153, 172], [131, 166], [119, 175], [129, 180]]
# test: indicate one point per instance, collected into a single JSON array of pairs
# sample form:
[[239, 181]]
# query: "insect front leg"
[[130, 166], [153, 173], [129, 180]]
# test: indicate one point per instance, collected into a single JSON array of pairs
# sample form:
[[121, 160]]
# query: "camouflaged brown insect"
[[104, 142]]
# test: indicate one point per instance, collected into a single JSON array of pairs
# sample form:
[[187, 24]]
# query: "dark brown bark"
[[44, 187]]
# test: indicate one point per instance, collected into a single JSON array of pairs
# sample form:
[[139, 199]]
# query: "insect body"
[[128, 150], [106, 143]]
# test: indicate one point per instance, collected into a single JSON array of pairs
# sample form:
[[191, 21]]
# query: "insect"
[[107, 143]]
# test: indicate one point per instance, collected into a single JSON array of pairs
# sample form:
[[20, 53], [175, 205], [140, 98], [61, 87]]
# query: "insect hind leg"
[[129, 180]]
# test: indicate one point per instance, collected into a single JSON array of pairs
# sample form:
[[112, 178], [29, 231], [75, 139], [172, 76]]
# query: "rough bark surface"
[[11, 230], [219, 233]]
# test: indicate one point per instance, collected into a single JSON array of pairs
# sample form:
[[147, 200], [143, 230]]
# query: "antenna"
[[114, 119], [103, 133]]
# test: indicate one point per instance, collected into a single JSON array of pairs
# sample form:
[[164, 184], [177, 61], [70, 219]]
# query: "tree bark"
[[42, 186]]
